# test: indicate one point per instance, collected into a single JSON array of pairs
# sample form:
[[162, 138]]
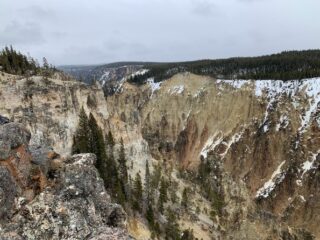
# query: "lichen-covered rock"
[[12, 135], [50, 109], [8, 192], [43, 156], [15, 166], [76, 207], [45, 197]]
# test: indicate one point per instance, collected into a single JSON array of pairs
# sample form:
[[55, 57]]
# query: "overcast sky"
[[102, 31]]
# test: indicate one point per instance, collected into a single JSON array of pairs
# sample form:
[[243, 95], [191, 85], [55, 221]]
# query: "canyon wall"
[[264, 135]]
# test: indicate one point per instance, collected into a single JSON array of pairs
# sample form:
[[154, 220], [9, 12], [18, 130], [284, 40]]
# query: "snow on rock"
[[118, 88], [176, 89], [104, 76], [155, 86], [234, 83], [308, 165], [199, 92], [139, 72], [210, 145], [302, 198], [276, 177], [214, 141], [313, 92], [283, 122], [299, 183], [273, 88], [235, 138], [266, 128]]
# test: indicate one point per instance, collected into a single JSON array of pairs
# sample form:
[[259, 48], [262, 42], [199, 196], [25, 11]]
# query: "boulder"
[[76, 207], [43, 196]]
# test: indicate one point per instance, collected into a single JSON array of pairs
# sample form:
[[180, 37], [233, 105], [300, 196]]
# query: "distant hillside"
[[89, 73], [285, 65]]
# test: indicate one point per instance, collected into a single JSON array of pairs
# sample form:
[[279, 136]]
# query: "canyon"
[[261, 135]]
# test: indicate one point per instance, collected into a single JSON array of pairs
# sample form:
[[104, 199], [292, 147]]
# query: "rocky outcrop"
[[49, 109], [48, 197]]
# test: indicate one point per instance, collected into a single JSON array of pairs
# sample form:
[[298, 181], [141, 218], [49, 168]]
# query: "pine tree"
[[137, 193], [163, 196], [147, 185], [123, 171], [46, 69], [118, 192], [97, 146], [156, 176], [89, 138], [110, 139], [184, 200], [81, 137], [150, 216], [172, 227], [114, 183]]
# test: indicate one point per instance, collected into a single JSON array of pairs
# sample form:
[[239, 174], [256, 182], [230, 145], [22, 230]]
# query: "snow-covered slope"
[[265, 133]]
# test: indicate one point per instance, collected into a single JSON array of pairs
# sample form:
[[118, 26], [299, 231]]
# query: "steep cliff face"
[[50, 109], [43, 196], [264, 133]]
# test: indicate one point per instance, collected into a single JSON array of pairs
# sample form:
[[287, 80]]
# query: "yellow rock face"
[[264, 133]]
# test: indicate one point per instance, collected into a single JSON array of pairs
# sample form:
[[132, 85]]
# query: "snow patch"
[[104, 77], [142, 71], [119, 89], [235, 138], [283, 122], [308, 165], [210, 145], [234, 83], [302, 198], [276, 177], [176, 89], [155, 86], [273, 88], [199, 93]]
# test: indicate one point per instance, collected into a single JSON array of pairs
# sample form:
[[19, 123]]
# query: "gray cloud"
[[204, 8], [29, 33], [95, 31], [37, 12]]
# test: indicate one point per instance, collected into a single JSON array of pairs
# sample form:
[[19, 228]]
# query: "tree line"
[[286, 65], [14, 62]]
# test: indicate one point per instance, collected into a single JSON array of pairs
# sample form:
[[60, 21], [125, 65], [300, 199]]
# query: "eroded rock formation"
[[264, 135], [43, 196]]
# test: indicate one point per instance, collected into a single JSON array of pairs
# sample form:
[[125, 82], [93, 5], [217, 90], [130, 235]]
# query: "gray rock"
[[12, 135], [4, 120], [42, 156], [77, 207], [8, 192]]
